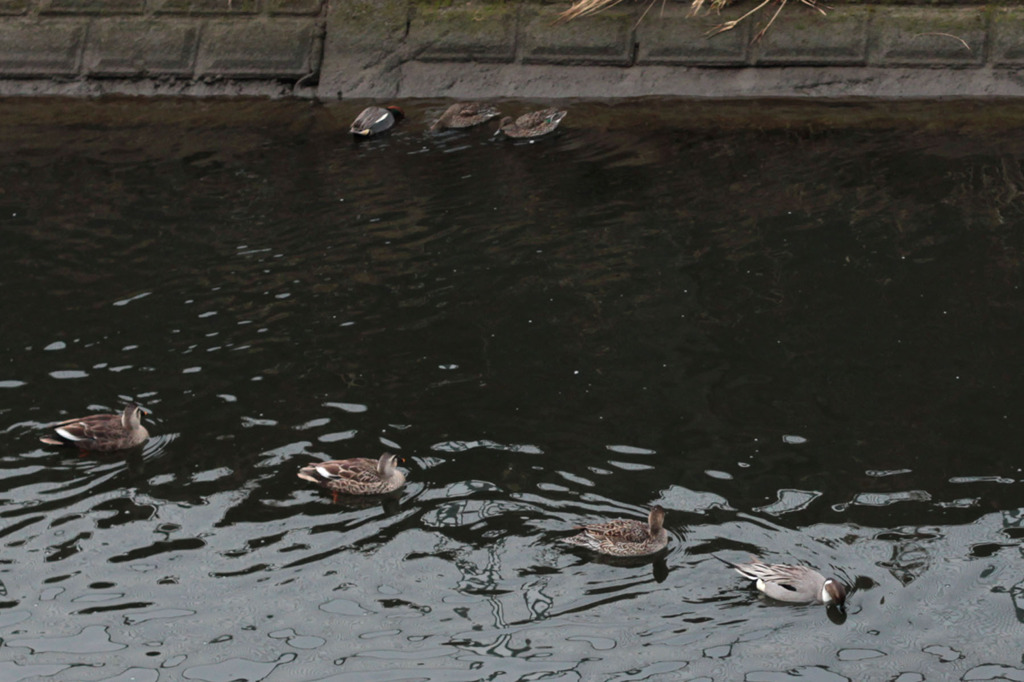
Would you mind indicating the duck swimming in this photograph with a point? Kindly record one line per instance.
(534, 124)
(357, 476)
(624, 537)
(375, 120)
(465, 115)
(797, 584)
(102, 432)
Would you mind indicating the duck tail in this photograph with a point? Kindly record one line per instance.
(725, 561)
(311, 474)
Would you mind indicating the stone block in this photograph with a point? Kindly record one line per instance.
(138, 47)
(13, 6)
(675, 37)
(295, 6)
(1007, 48)
(206, 6)
(475, 32)
(374, 28)
(92, 6)
(364, 48)
(256, 49)
(604, 38)
(802, 36)
(928, 36)
(45, 48)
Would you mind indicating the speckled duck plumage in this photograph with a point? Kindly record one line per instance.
(534, 124)
(624, 537)
(465, 115)
(357, 476)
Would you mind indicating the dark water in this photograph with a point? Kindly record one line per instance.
(797, 327)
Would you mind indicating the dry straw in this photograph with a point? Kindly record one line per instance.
(582, 8)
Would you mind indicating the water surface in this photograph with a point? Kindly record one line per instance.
(795, 326)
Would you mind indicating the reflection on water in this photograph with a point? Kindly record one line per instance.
(796, 327)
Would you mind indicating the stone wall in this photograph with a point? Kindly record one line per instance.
(454, 48)
(95, 46)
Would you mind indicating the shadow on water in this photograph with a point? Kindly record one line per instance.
(795, 326)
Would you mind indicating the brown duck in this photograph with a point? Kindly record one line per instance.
(624, 537)
(465, 115)
(357, 476)
(534, 124)
(102, 432)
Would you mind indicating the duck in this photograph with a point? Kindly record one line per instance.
(789, 583)
(356, 476)
(465, 115)
(624, 537)
(102, 432)
(534, 124)
(374, 120)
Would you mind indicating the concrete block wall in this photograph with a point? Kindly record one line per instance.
(507, 48)
(885, 35)
(160, 39)
(885, 48)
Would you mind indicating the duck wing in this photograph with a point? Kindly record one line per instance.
(620, 530)
(543, 120)
(785, 576)
(371, 119)
(474, 112)
(781, 581)
(358, 470)
(95, 428)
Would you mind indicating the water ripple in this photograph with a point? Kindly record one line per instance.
(797, 336)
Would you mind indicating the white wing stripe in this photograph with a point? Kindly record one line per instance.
(325, 473)
(66, 434)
